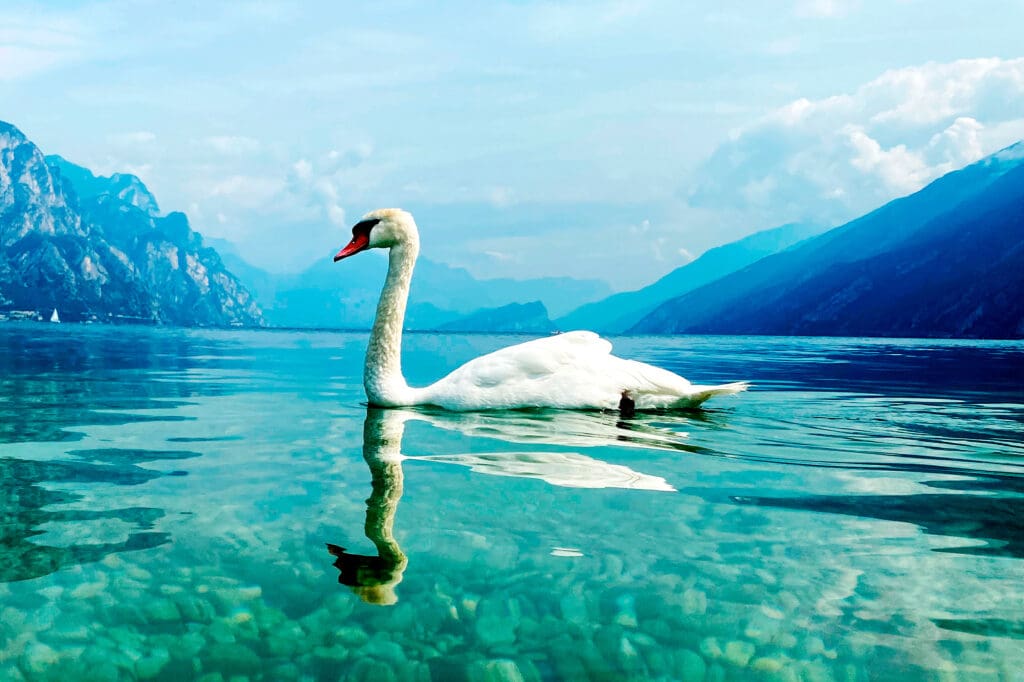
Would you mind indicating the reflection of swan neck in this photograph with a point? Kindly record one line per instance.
(383, 431)
(382, 372)
(382, 506)
(374, 578)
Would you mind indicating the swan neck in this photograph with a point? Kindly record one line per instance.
(382, 373)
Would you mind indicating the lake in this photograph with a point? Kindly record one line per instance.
(221, 505)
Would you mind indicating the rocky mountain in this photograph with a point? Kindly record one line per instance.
(124, 186)
(947, 261)
(619, 312)
(515, 317)
(96, 248)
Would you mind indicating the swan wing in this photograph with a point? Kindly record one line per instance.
(573, 370)
(555, 371)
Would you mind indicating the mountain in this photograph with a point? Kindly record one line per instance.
(345, 294)
(515, 317)
(127, 188)
(96, 248)
(619, 312)
(947, 261)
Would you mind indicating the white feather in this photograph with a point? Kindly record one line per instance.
(574, 371)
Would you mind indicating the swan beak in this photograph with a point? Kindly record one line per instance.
(359, 243)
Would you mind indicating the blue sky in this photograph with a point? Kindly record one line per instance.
(604, 139)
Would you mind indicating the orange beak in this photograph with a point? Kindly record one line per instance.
(359, 243)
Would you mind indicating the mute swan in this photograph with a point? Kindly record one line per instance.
(575, 370)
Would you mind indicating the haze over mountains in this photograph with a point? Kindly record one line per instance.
(947, 261)
(329, 294)
(619, 312)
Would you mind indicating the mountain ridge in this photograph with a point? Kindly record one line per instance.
(515, 318)
(786, 293)
(622, 310)
(345, 295)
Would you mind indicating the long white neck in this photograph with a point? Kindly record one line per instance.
(382, 373)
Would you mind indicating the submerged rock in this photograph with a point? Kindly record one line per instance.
(351, 636)
(150, 666)
(626, 616)
(162, 610)
(499, 670)
(574, 606)
(38, 658)
(710, 648)
(232, 659)
(689, 665)
(695, 602)
(497, 621)
(739, 652)
(384, 649)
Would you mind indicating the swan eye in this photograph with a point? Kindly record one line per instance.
(363, 227)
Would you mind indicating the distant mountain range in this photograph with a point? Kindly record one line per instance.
(947, 261)
(345, 294)
(512, 318)
(95, 248)
(619, 312)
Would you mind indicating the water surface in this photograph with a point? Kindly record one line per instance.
(221, 505)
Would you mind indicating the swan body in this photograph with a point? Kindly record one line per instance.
(575, 370)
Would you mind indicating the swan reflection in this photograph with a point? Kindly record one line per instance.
(570, 428)
(374, 577)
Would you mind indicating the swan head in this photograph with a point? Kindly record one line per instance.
(381, 229)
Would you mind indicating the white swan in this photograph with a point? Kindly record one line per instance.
(575, 370)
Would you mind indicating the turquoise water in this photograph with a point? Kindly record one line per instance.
(220, 506)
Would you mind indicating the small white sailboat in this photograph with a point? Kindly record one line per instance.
(54, 317)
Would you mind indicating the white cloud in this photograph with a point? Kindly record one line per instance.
(501, 196)
(824, 9)
(246, 190)
(277, 212)
(302, 170)
(783, 46)
(34, 42)
(558, 21)
(19, 62)
(833, 158)
(140, 170)
(499, 256)
(135, 138)
(898, 168)
(232, 145)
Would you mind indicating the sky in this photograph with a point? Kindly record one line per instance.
(607, 139)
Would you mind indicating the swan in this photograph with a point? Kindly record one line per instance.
(575, 370)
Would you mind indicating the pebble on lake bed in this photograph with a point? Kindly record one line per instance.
(738, 652)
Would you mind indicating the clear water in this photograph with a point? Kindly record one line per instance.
(169, 498)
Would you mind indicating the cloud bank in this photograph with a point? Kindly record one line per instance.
(838, 157)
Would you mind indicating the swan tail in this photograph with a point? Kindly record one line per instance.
(699, 394)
